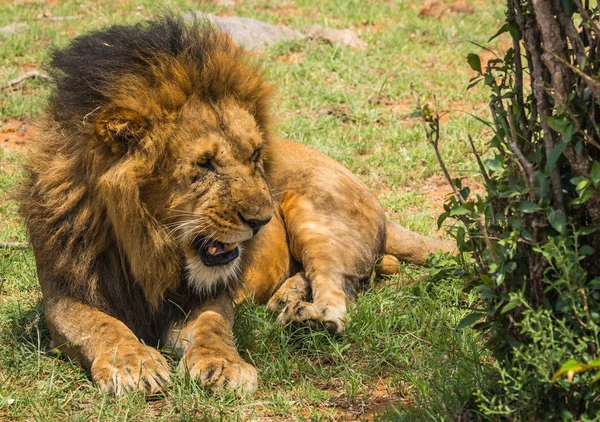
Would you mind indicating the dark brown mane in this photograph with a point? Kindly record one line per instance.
(173, 58)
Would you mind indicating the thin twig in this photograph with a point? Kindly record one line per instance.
(15, 245)
(57, 18)
(27, 75)
(592, 83)
(479, 162)
(432, 133)
(527, 166)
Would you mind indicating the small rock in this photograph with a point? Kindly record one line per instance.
(252, 34)
(345, 37)
(13, 28)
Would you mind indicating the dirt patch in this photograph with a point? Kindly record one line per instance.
(404, 107)
(377, 26)
(14, 134)
(436, 191)
(291, 58)
(437, 8)
(367, 407)
(283, 13)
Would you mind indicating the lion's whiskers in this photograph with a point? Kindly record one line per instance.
(198, 224)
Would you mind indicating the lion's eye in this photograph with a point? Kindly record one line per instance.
(255, 156)
(207, 165)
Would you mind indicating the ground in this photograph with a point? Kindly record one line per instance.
(402, 357)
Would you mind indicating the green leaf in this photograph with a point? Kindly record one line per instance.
(529, 207)
(470, 320)
(473, 83)
(558, 124)
(475, 62)
(586, 230)
(596, 377)
(504, 28)
(487, 293)
(582, 184)
(595, 173)
(583, 198)
(569, 133)
(554, 156)
(558, 220)
(441, 219)
(494, 165)
(459, 211)
(594, 363)
(571, 366)
(586, 250)
(510, 305)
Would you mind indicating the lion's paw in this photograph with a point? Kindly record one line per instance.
(294, 289)
(131, 368)
(314, 315)
(220, 373)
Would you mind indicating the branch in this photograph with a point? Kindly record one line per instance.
(532, 42)
(479, 163)
(592, 83)
(526, 166)
(27, 75)
(15, 245)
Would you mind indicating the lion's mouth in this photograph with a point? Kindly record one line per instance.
(214, 253)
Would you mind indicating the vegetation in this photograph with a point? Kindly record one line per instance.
(402, 357)
(534, 236)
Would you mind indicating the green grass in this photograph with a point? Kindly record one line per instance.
(402, 357)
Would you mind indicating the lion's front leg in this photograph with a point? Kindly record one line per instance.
(117, 360)
(205, 342)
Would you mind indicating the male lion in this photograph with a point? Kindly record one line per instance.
(157, 192)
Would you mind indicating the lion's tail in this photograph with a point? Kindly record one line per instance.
(405, 245)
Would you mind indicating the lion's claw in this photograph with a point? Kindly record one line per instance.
(220, 373)
(133, 368)
(314, 315)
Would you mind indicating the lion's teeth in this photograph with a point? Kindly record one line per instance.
(212, 250)
(230, 247)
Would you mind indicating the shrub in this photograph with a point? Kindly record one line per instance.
(533, 237)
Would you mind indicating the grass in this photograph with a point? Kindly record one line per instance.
(402, 357)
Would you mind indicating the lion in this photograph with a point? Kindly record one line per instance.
(157, 194)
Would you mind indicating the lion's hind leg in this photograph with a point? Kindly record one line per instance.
(337, 250)
(317, 300)
(292, 300)
(294, 289)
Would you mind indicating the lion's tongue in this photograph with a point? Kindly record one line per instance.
(217, 248)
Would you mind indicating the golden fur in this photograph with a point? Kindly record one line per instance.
(154, 161)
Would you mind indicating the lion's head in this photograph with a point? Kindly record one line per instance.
(154, 146)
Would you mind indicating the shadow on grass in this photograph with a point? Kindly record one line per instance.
(28, 327)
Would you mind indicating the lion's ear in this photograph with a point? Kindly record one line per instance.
(121, 129)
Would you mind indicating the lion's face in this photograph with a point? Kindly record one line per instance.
(200, 176)
(220, 196)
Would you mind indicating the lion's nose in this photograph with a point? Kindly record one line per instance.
(254, 223)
